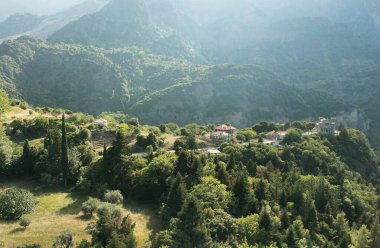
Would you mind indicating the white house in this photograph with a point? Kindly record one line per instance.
(101, 122)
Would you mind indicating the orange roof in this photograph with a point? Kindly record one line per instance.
(224, 128)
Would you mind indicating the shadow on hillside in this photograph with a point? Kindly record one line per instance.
(17, 230)
(154, 221)
(75, 207)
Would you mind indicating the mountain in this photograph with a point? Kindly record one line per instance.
(42, 26)
(61, 76)
(35, 7)
(152, 87)
(308, 44)
(131, 23)
(301, 41)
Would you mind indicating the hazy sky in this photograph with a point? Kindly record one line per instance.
(41, 7)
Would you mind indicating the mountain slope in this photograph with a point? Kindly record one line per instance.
(154, 88)
(43, 26)
(129, 23)
(61, 76)
(301, 41)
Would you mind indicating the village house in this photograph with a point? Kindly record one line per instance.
(275, 135)
(220, 136)
(223, 132)
(226, 129)
(101, 122)
(326, 126)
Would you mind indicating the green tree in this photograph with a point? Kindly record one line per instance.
(292, 136)
(64, 152)
(290, 238)
(265, 220)
(15, 203)
(191, 229)
(252, 168)
(64, 240)
(112, 227)
(27, 159)
(231, 162)
(176, 198)
(222, 174)
(309, 212)
(261, 190)
(113, 196)
(243, 197)
(4, 101)
(90, 206)
(210, 193)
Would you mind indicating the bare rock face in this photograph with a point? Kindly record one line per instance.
(355, 119)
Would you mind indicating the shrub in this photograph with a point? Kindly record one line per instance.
(64, 240)
(15, 203)
(113, 196)
(90, 206)
(24, 222)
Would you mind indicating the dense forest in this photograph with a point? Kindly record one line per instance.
(312, 191)
(155, 88)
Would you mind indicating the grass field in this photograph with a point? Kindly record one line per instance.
(58, 210)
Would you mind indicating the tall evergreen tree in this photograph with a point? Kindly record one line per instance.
(260, 190)
(252, 168)
(119, 148)
(64, 152)
(231, 165)
(176, 198)
(183, 163)
(27, 159)
(195, 172)
(106, 163)
(192, 228)
(283, 199)
(222, 175)
(265, 221)
(290, 238)
(243, 196)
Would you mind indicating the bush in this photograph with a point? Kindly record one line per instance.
(64, 240)
(24, 222)
(15, 203)
(113, 196)
(90, 206)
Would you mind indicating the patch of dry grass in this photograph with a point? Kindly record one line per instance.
(58, 210)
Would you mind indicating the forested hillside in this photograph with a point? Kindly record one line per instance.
(42, 26)
(155, 88)
(311, 190)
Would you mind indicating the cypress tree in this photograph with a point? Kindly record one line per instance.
(176, 197)
(290, 239)
(260, 190)
(231, 162)
(243, 195)
(265, 221)
(183, 163)
(27, 159)
(222, 175)
(106, 168)
(252, 168)
(64, 152)
(284, 220)
(283, 199)
(119, 147)
(195, 172)
(192, 225)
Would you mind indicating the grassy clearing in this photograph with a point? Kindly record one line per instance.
(59, 210)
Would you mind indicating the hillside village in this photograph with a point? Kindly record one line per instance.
(141, 165)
